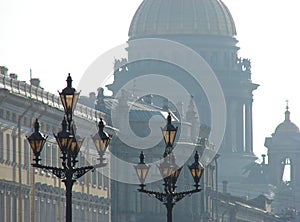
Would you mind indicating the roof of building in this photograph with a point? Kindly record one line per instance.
(260, 205)
(171, 17)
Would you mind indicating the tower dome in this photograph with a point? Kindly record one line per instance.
(287, 126)
(190, 17)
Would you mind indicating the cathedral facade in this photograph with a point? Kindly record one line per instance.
(207, 28)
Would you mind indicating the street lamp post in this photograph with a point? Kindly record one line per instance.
(169, 172)
(69, 145)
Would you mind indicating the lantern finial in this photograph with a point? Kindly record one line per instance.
(142, 158)
(36, 126)
(69, 81)
(169, 119)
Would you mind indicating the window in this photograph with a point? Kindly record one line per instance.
(7, 115)
(2, 206)
(26, 153)
(94, 178)
(43, 154)
(48, 154)
(286, 174)
(80, 163)
(105, 182)
(14, 143)
(14, 117)
(54, 155)
(8, 148)
(25, 119)
(99, 179)
(1, 146)
(94, 174)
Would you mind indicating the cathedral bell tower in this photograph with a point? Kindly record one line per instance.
(284, 153)
(284, 166)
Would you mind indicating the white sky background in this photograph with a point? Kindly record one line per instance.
(55, 37)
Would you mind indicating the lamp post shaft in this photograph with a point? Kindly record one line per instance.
(69, 185)
(169, 206)
(169, 213)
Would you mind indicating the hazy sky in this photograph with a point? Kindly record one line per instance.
(55, 37)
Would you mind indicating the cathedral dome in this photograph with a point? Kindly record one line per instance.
(287, 126)
(191, 17)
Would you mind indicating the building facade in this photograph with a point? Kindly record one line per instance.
(29, 194)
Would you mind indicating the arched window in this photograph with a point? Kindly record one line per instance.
(286, 170)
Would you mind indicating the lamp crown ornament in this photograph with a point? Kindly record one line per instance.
(169, 119)
(196, 157)
(69, 89)
(69, 81)
(36, 126)
(101, 124)
(142, 158)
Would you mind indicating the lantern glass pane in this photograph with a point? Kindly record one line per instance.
(75, 100)
(73, 146)
(101, 144)
(98, 145)
(172, 137)
(63, 101)
(69, 99)
(166, 136)
(193, 172)
(32, 145)
(169, 136)
(142, 172)
(64, 142)
(196, 171)
(38, 145)
(166, 169)
(176, 173)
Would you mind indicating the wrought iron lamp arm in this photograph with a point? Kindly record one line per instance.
(160, 196)
(58, 172)
(165, 197)
(79, 172)
(62, 173)
(178, 196)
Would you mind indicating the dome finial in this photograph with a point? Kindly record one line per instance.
(287, 112)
